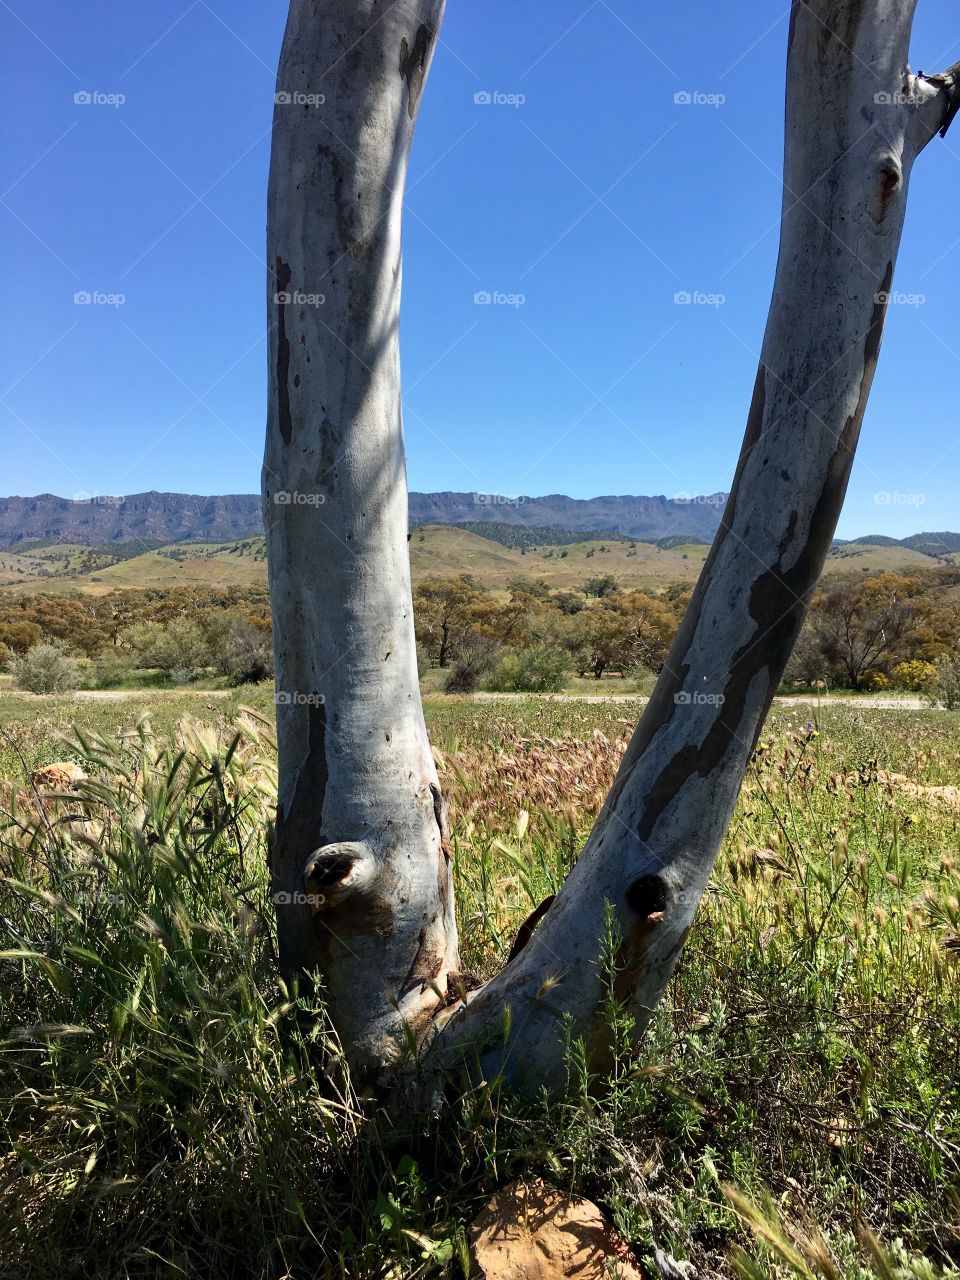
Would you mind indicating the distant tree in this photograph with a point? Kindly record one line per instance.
(535, 587)
(945, 690)
(569, 602)
(441, 609)
(859, 624)
(624, 632)
(179, 648)
(20, 636)
(600, 586)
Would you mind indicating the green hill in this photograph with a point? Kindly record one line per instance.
(488, 554)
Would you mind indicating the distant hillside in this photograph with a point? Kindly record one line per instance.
(938, 545)
(121, 528)
(934, 544)
(179, 517)
(648, 519)
(435, 550)
(155, 518)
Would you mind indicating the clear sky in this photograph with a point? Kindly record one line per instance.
(583, 192)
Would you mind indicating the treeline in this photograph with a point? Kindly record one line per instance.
(863, 632)
(518, 536)
(58, 642)
(884, 631)
(533, 640)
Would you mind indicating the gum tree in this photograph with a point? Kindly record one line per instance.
(360, 863)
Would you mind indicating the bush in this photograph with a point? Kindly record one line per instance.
(945, 690)
(44, 669)
(180, 648)
(537, 670)
(246, 653)
(109, 670)
(874, 680)
(916, 676)
(4, 654)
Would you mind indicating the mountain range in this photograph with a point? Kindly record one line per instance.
(163, 518)
(182, 517)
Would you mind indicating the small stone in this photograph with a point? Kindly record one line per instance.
(530, 1231)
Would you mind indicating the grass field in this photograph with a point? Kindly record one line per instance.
(162, 1112)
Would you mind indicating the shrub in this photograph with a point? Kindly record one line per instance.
(109, 670)
(246, 653)
(945, 690)
(44, 668)
(537, 670)
(914, 675)
(4, 654)
(874, 680)
(477, 655)
(180, 648)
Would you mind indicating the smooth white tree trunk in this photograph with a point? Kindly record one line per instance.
(359, 823)
(360, 866)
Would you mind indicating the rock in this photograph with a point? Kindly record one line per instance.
(57, 777)
(671, 1269)
(530, 1231)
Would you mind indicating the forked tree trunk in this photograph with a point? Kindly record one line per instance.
(359, 819)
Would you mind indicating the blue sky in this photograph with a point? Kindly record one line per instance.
(583, 192)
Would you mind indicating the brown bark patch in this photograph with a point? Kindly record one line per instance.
(427, 964)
